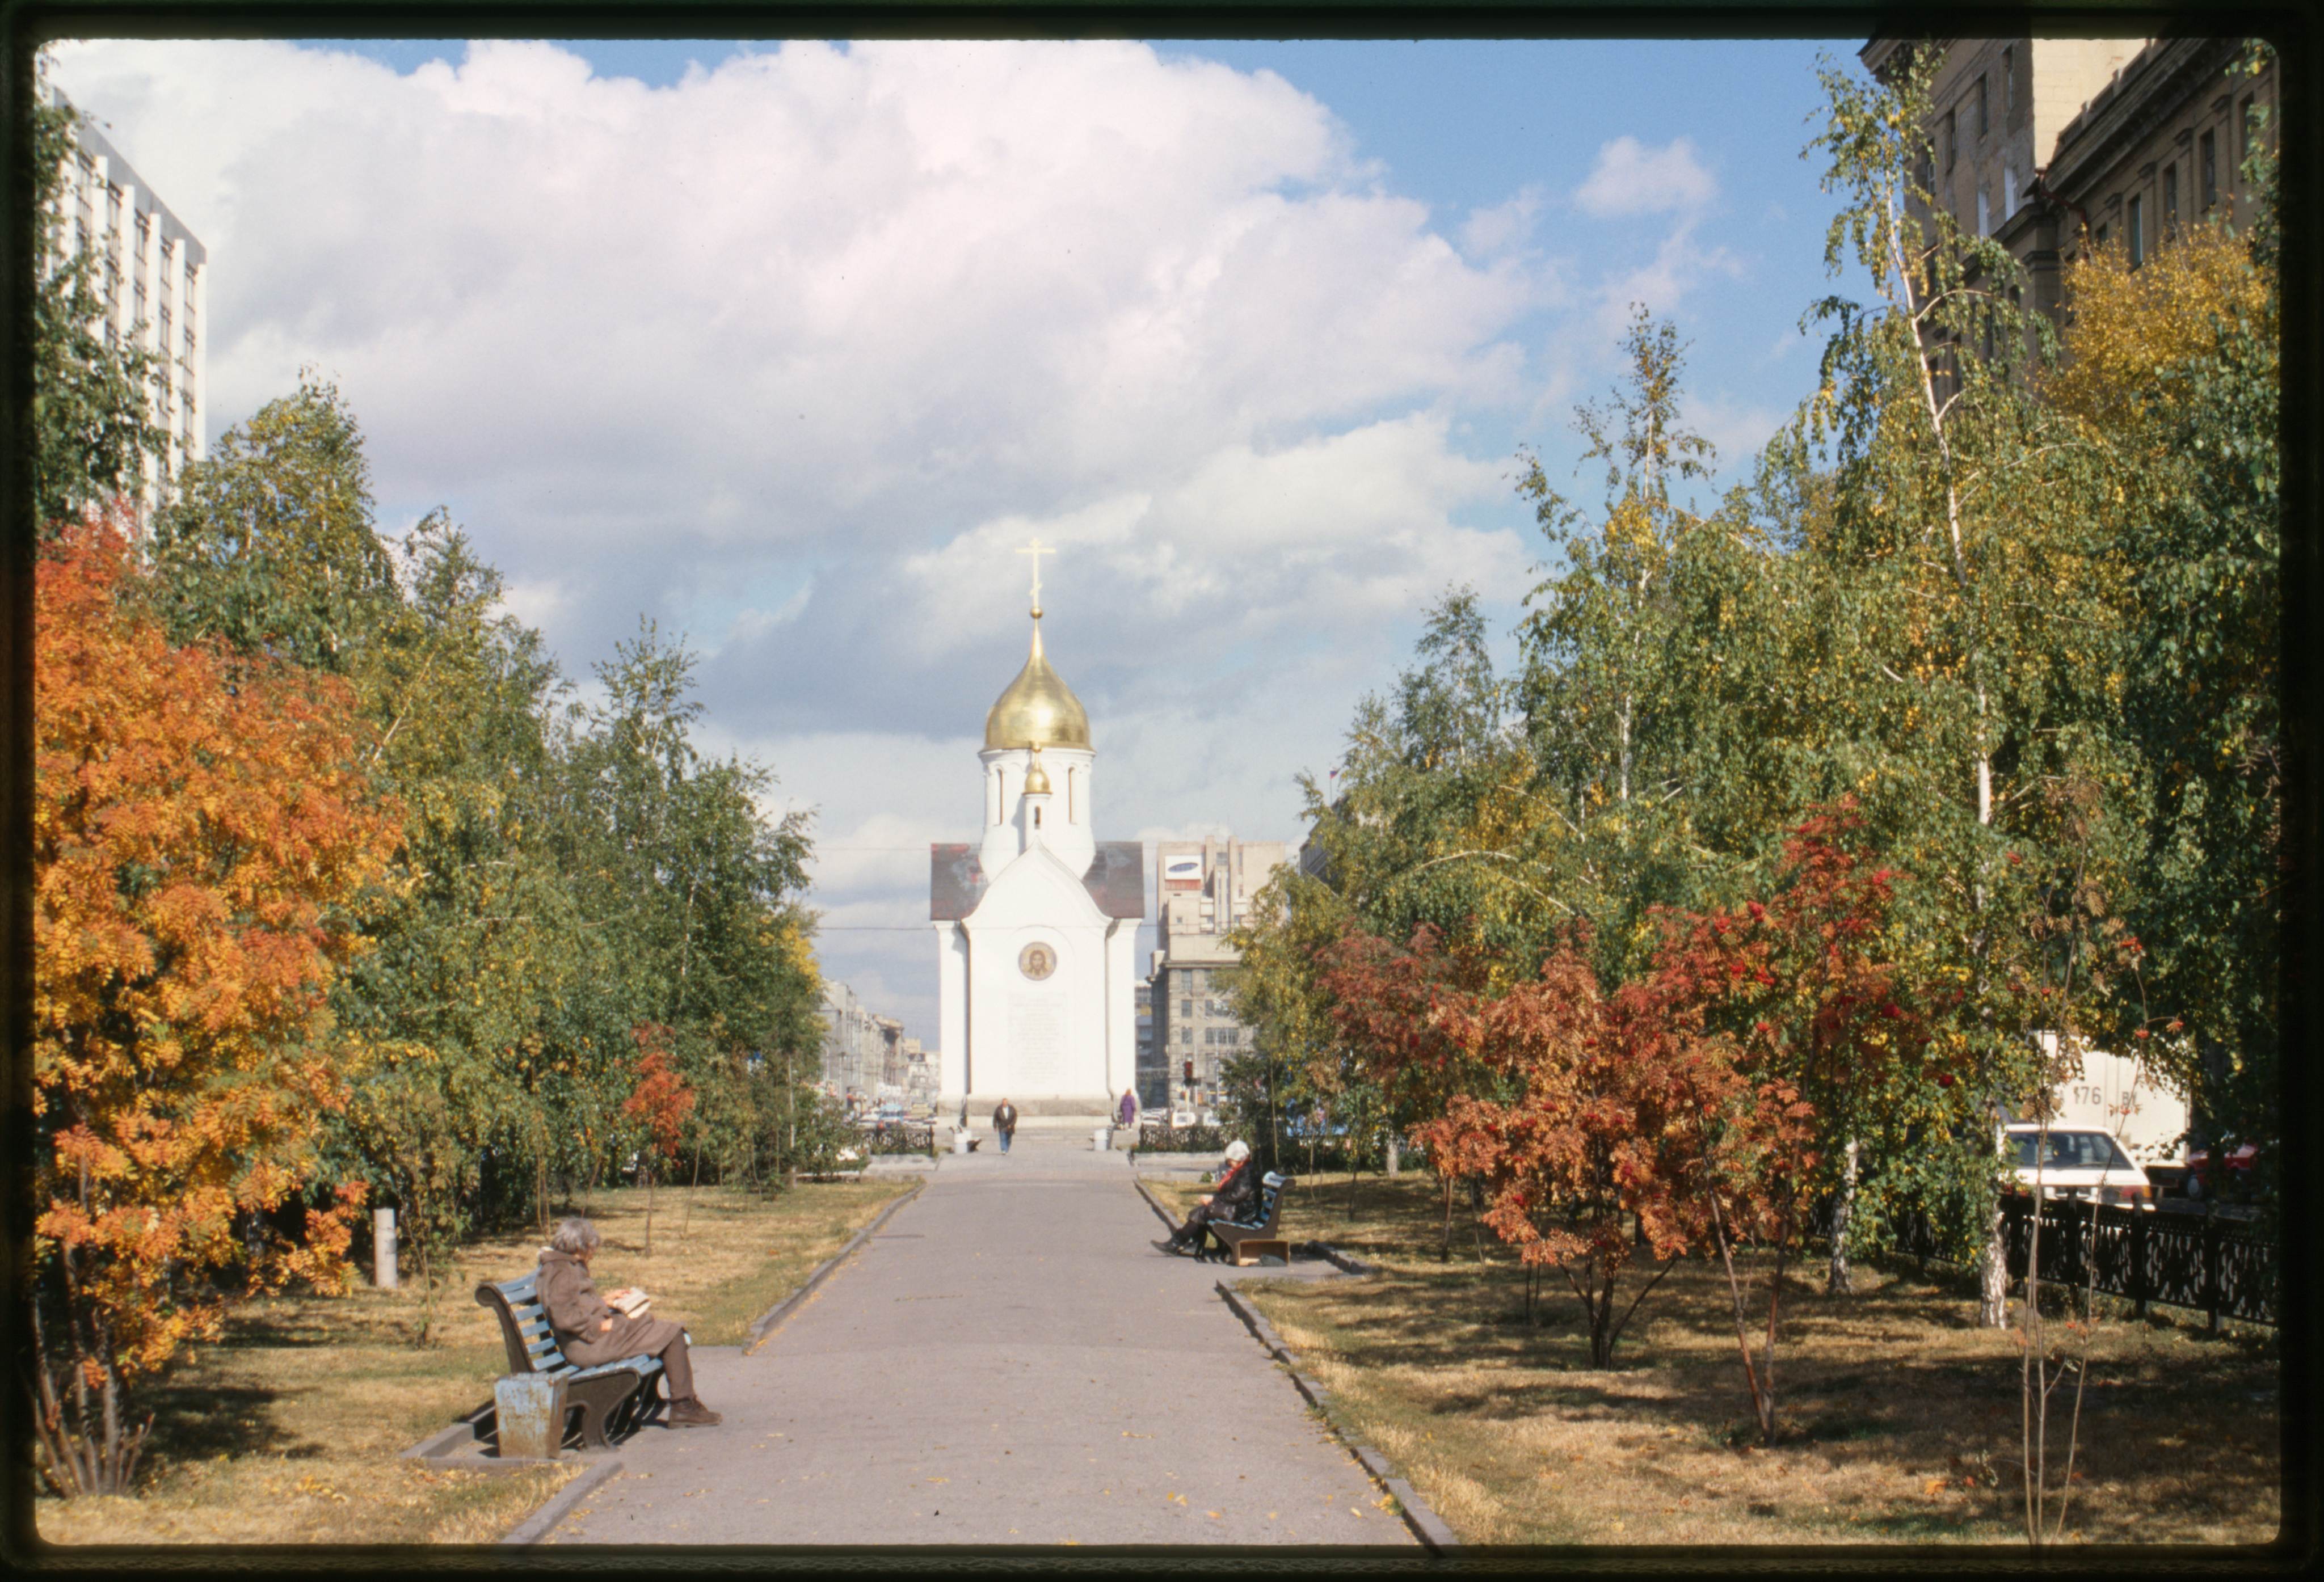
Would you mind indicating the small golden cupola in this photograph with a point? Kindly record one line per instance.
(1037, 779)
(1039, 709)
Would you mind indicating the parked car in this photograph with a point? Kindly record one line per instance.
(2230, 1178)
(2131, 1103)
(2079, 1162)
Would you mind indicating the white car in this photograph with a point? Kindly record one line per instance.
(2074, 1161)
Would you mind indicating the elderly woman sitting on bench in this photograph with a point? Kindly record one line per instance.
(1238, 1190)
(590, 1330)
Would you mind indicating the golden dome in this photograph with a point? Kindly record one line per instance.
(1038, 710)
(1037, 779)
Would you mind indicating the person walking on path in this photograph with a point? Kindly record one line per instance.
(1238, 1190)
(1127, 1115)
(1004, 1122)
(591, 1332)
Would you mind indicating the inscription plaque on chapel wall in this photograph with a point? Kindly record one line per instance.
(1036, 1038)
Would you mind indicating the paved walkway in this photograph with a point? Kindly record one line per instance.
(1007, 1361)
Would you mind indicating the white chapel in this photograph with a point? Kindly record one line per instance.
(1036, 920)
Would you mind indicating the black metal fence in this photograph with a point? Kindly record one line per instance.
(2205, 1263)
(898, 1137)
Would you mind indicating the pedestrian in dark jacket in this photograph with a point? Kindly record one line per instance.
(1237, 1193)
(1004, 1123)
(590, 1330)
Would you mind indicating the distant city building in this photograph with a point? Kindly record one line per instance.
(919, 1080)
(862, 1051)
(2051, 146)
(1205, 890)
(152, 275)
(1153, 1082)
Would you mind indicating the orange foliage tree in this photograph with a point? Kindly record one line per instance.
(1590, 1161)
(199, 842)
(659, 1103)
(1827, 1034)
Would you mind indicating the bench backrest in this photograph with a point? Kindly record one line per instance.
(524, 1325)
(1270, 1205)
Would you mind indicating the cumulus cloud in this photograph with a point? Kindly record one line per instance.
(1495, 230)
(790, 354)
(1632, 178)
(1680, 263)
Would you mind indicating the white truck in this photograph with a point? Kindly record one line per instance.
(2116, 1094)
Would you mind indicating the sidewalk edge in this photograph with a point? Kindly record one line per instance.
(1426, 1525)
(764, 1325)
(535, 1527)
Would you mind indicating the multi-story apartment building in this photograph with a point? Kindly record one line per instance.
(1205, 890)
(152, 276)
(2051, 146)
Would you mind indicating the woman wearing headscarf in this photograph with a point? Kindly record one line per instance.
(1237, 1192)
(590, 1331)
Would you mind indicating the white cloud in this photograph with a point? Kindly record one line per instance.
(1631, 179)
(790, 354)
(1736, 429)
(1492, 231)
(1680, 263)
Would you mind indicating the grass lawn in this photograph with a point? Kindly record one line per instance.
(287, 1429)
(1900, 1419)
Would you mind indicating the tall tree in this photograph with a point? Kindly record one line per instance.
(1978, 594)
(2175, 381)
(270, 544)
(202, 853)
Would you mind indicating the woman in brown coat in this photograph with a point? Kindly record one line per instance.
(590, 1331)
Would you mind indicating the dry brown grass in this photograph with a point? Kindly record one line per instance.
(289, 1428)
(1900, 1417)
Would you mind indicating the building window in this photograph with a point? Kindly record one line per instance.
(2206, 169)
(1984, 117)
(2100, 240)
(1186, 1035)
(144, 236)
(2009, 82)
(1951, 151)
(1186, 1008)
(2137, 221)
(1984, 214)
(2169, 198)
(2248, 126)
(2008, 191)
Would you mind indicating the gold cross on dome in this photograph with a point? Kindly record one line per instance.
(1037, 549)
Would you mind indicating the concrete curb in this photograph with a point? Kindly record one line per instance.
(1426, 1525)
(535, 1527)
(439, 1445)
(1335, 1257)
(1155, 1203)
(776, 1314)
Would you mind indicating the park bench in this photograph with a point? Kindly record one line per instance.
(1246, 1242)
(612, 1398)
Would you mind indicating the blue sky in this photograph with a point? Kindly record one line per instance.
(786, 348)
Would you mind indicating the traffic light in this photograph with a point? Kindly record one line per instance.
(1190, 1070)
